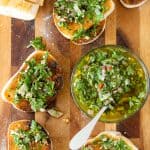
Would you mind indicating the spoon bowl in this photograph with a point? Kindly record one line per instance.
(82, 136)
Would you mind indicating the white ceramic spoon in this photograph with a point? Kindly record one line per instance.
(82, 136)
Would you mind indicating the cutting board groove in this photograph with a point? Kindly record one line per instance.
(129, 28)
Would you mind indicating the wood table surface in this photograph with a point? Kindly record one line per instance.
(127, 27)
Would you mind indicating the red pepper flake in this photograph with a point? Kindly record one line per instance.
(101, 85)
(109, 68)
(104, 68)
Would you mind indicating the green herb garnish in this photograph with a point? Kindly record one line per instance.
(85, 34)
(112, 144)
(37, 44)
(79, 33)
(78, 11)
(25, 139)
(36, 84)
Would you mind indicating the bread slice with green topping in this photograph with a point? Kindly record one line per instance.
(82, 21)
(35, 84)
(28, 135)
(109, 140)
(132, 3)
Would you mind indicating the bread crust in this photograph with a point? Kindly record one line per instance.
(23, 124)
(132, 5)
(9, 88)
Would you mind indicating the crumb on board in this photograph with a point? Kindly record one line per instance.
(66, 120)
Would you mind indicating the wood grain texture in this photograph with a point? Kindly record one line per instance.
(21, 33)
(5, 68)
(59, 47)
(145, 55)
(14, 36)
(127, 27)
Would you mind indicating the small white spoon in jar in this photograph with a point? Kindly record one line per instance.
(82, 136)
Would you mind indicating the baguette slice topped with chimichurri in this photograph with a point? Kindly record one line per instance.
(132, 3)
(81, 21)
(28, 135)
(35, 84)
(109, 140)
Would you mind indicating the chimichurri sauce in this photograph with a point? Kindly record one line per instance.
(36, 84)
(112, 77)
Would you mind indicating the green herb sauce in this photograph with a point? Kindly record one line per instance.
(109, 77)
(25, 139)
(36, 84)
(107, 143)
(85, 34)
(37, 44)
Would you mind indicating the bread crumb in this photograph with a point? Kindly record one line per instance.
(66, 120)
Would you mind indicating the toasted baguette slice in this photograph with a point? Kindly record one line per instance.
(68, 32)
(130, 4)
(9, 89)
(113, 135)
(19, 9)
(24, 125)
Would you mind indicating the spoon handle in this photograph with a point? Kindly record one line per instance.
(82, 136)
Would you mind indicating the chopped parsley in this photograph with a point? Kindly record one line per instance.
(25, 139)
(36, 84)
(37, 44)
(79, 11)
(85, 34)
(131, 2)
(111, 77)
(107, 143)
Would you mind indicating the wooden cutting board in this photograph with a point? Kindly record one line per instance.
(127, 27)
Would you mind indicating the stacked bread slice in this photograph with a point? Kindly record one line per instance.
(21, 9)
